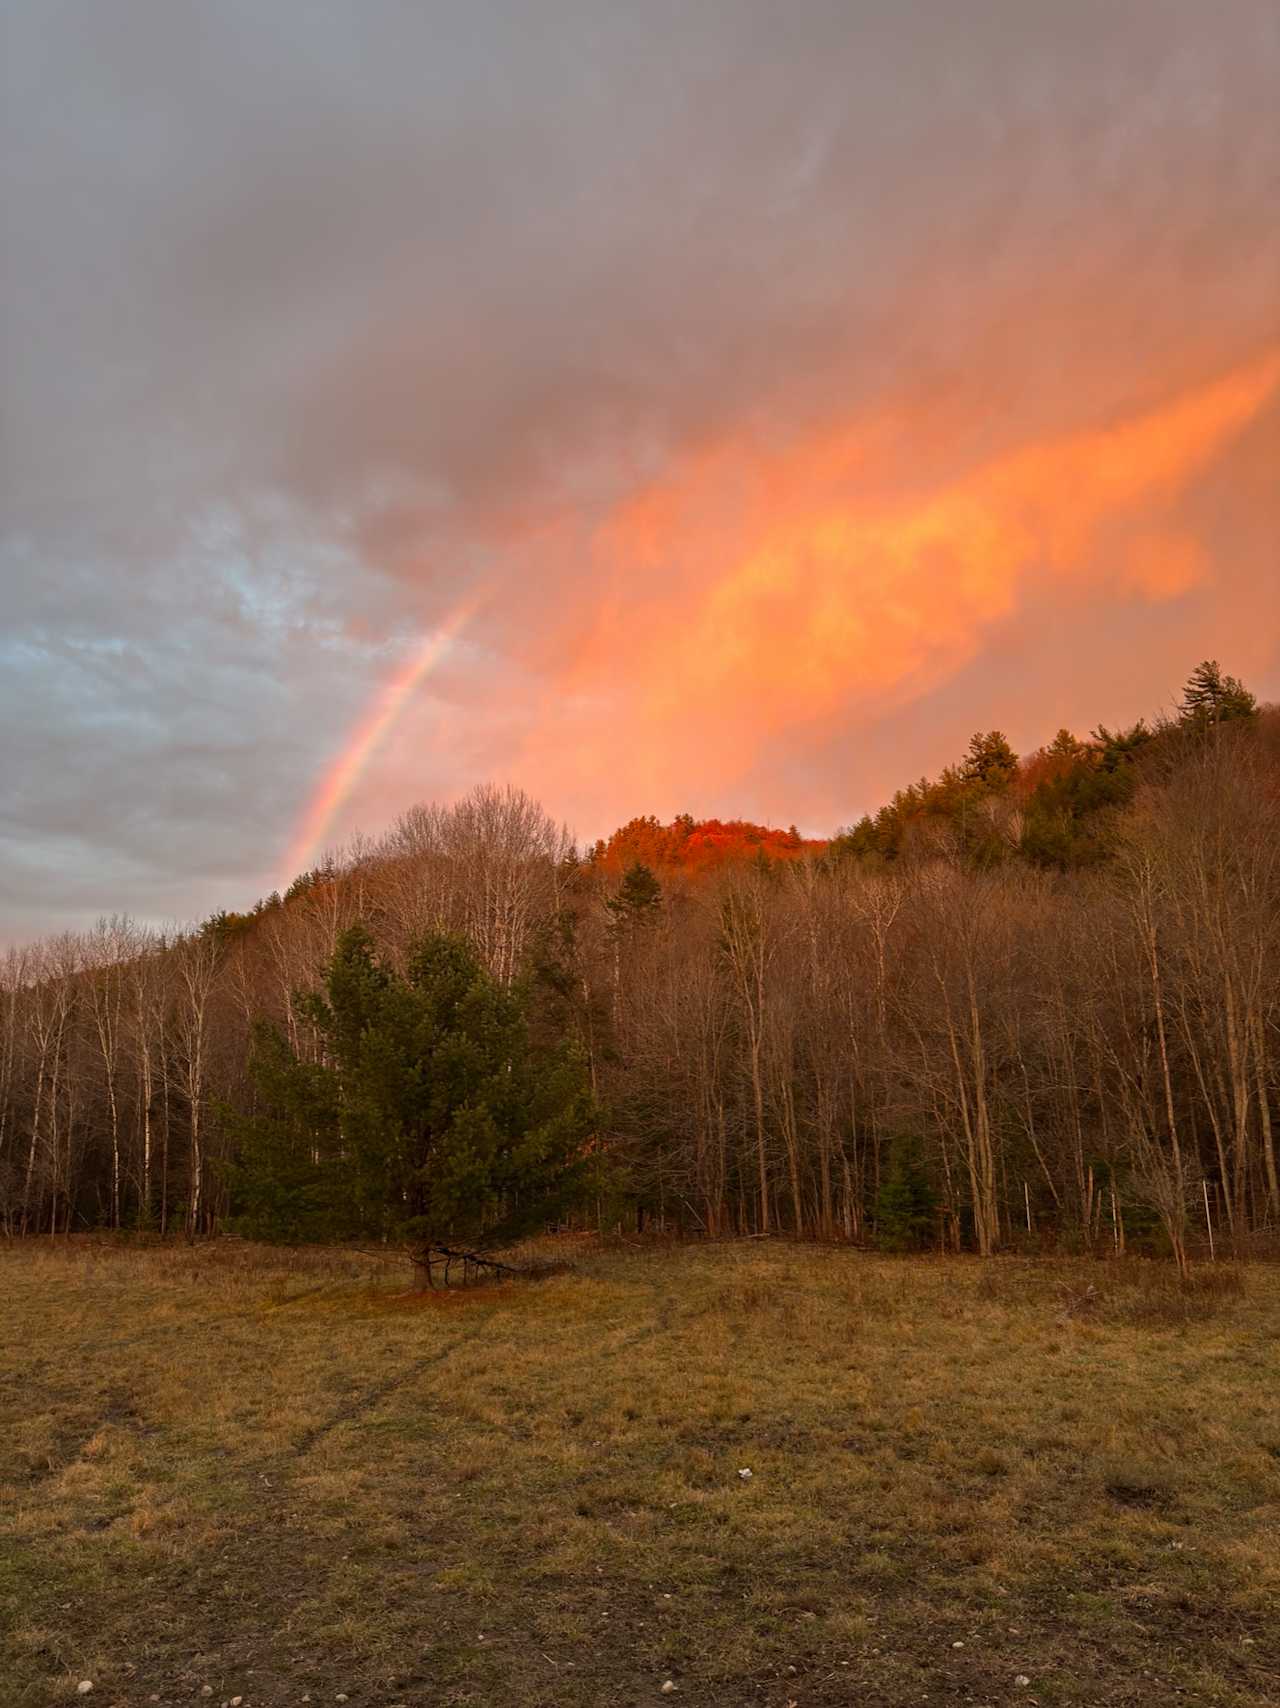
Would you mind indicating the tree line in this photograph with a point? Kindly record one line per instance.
(1033, 1000)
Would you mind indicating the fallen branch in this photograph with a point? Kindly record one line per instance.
(426, 1257)
(453, 1255)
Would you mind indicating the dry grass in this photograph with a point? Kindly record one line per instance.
(283, 1477)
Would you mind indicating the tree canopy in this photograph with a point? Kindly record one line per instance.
(425, 1111)
(1212, 697)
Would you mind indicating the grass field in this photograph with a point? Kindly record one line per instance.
(228, 1474)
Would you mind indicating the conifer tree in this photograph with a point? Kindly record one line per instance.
(1210, 697)
(430, 1116)
(906, 1205)
(639, 898)
(990, 761)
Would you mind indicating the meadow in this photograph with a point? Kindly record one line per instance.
(242, 1475)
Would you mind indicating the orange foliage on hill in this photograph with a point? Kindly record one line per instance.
(1051, 764)
(697, 845)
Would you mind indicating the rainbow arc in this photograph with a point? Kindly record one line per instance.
(379, 717)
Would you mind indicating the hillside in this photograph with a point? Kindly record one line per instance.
(1033, 1001)
(1059, 806)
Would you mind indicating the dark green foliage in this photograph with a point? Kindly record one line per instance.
(906, 1206)
(430, 1116)
(562, 1003)
(305, 882)
(638, 900)
(1212, 698)
(952, 811)
(858, 842)
(1066, 821)
(287, 1183)
(1068, 747)
(990, 761)
(1069, 792)
(1117, 749)
(223, 927)
(1051, 840)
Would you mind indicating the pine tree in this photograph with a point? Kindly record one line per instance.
(1118, 748)
(990, 761)
(1212, 698)
(639, 898)
(906, 1206)
(430, 1117)
(1067, 747)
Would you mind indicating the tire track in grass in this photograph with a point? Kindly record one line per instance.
(231, 1614)
(280, 1675)
(183, 1326)
(364, 1403)
(252, 1649)
(217, 1616)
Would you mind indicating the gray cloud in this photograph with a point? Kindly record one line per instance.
(313, 313)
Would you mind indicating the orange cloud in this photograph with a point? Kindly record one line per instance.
(757, 589)
(1165, 565)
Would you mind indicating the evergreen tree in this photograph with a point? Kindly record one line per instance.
(430, 1116)
(1118, 748)
(990, 761)
(1212, 698)
(1067, 748)
(906, 1205)
(639, 898)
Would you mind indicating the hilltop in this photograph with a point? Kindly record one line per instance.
(697, 845)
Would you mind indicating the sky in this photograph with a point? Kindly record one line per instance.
(721, 407)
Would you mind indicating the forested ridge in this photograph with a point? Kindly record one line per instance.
(1033, 1000)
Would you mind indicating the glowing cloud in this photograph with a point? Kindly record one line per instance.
(379, 717)
(758, 590)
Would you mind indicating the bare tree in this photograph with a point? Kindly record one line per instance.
(195, 967)
(108, 950)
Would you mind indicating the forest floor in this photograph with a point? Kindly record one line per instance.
(235, 1475)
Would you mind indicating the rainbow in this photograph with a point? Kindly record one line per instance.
(379, 716)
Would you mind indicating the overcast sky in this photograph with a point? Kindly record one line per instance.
(795, 388)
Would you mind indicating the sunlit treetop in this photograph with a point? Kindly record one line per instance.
(697, 845)
(1212, 697)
